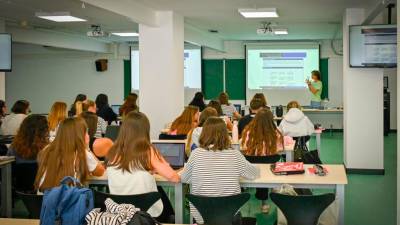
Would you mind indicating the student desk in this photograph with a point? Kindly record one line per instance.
(5, 221)
(6, 196)
(335, 179)
(328, 118)
(161, 181)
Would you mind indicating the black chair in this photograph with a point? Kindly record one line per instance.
(32, 202)
(142, 201)
(218, 210)
(171, 137)
(263, 159)
(112, 132)
(302, 209)
(24, 176)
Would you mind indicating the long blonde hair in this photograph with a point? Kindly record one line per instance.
(261, 135)
(132, 149)
(214, 135)
(186, 121)
(58, 113)
(65, 156)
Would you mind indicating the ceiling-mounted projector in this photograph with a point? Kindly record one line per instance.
(96, 32)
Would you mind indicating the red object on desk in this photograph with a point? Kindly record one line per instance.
(288, 167)
(312, 170)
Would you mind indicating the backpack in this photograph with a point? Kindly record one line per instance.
(143, 218)
(302, 154)
(279, 111)
(66, 205)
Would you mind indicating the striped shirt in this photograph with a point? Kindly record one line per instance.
(101, 127)
(216, 173)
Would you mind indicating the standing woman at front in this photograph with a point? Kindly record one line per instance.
(315, 87)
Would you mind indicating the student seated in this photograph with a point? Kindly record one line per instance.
(198, 100)
(194, 134)
(129, 105)
(261, 96)
(214, 169)
(91, 122)
(79, 98)
(58, 113)
(101, 124)
(104, 110)
(217, 106)
(295, 123)
(67, 155)
(228, 109)
(31, 138)
(256, 105)
(185, 122)
(133, 159)
(11, 123)
(3, 110)
(261, 137)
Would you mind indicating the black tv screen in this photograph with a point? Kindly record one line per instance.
(5, 52)
(373, 46)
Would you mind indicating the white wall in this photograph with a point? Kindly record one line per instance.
(44, 75)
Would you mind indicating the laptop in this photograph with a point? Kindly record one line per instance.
(112, 132)
(115, 108)
(173, 151)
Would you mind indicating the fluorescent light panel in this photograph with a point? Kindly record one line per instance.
(281, 31)
(126, 34)
(59, 17)
(259, 13)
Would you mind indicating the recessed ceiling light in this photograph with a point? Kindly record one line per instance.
(259, 13)
(126, 34)
(281, 31)
(59, 17)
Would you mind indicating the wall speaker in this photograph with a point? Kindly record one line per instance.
(101, 65)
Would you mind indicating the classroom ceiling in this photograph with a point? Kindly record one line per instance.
(305, 19)
(16, 12)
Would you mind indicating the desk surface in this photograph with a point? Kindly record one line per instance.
(336, 175)
(323, 110)
(7, 160)
(6, 221)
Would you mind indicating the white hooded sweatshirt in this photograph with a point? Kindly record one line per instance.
(296, 124)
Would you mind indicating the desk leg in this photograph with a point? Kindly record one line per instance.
(340, 198)
(178, 203)
(6, 204)
(318, 138)
(289, 156)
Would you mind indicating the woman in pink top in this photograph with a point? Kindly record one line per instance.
(262, 138)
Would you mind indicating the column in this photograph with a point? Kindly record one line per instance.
(161, 81)
(363, 109)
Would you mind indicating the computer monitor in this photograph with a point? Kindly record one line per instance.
(115, 108)
(173, 151)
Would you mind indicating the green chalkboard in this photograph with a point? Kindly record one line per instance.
(212, 79)
(127, 77)
(235, 78)
(323, 65)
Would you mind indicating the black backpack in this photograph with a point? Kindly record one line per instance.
(143, 218)
(279, 111)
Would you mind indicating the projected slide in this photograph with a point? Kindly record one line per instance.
(280, 68)
(192, 69)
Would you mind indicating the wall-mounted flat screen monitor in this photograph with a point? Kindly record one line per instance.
(373, 46)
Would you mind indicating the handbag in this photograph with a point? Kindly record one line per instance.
(302, 154)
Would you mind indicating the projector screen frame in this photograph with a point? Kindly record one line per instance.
(380, 66)
(11, 61)
(277, 42)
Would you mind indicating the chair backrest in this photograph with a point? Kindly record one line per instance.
(172, 137)
(302, 209)
(112, 132)
(263, 159)
(142, 201)
(32, 202)
(218, 210)
(24, 174)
